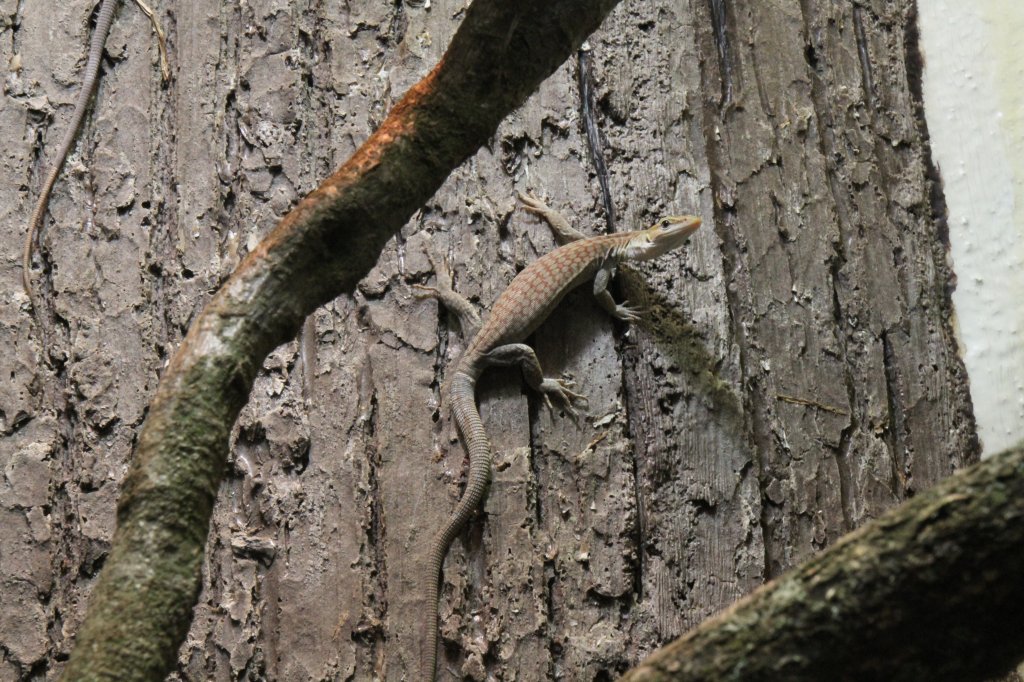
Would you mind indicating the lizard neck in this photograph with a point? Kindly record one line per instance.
(619, 248)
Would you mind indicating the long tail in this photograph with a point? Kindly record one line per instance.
(89, 77)
(463, 404)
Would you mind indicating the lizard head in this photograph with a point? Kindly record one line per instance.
(670, 232)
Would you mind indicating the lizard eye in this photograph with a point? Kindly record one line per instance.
(665, 222)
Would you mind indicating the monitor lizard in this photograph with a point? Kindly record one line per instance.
(519, 310)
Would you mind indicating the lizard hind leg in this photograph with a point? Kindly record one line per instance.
(522, 355)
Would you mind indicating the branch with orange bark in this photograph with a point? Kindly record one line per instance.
(142, 604)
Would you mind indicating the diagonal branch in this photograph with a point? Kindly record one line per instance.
(142, 604)
(932, 590)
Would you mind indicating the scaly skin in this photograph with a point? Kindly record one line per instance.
(520, 309)
(92, 69)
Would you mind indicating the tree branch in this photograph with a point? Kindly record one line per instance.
(931, 590)
(142, 604)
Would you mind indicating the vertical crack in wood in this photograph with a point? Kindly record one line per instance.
(867, 80)
(842, 452)
(595, 144)
(737, 291)
(719, 21)
(897, 423)
(827, 149)
(375, 601)
(638, 499)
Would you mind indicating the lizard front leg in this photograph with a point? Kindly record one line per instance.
(620, 311)
(522, 355)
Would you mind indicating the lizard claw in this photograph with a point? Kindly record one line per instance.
(562, 389)
(532, 204)
(628, 313)
(442, 290)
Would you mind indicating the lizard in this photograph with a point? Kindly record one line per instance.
(531, 296)
(90, 76)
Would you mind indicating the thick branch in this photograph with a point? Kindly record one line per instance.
(142, 604)
(930, 591)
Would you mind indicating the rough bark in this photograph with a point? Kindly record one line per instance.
(142, 604)
(930, 591)
(797, 374)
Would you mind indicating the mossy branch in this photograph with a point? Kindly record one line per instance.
(142, 604)
(932, 590)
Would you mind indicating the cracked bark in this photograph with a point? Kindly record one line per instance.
(142, 603)
(820, 275)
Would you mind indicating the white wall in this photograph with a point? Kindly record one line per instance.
(974, 104)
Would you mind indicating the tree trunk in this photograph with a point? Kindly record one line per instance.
(796, 373)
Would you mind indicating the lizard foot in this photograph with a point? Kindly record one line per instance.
(532, 204)
(628, 313)
(562, 390)
(442, 290)
(563, 231)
